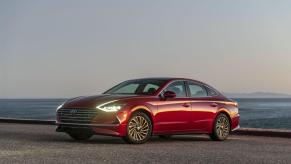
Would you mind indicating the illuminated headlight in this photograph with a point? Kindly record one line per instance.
(110, 107)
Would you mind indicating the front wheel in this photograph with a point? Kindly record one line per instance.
(139, 128)
(221, 128)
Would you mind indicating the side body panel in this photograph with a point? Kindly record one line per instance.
(203, 114)
(174, 115)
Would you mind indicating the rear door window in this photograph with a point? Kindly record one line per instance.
(196, 90)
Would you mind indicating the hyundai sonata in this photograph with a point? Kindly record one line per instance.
(138, 109)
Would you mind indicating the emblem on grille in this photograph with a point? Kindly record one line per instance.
(73, 111)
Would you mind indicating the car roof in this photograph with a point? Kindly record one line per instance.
(168, 79)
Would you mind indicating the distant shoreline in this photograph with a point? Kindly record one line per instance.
(257, 95)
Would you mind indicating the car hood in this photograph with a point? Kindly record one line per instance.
(92, 101)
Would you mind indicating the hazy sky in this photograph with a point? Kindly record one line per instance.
(61, 48)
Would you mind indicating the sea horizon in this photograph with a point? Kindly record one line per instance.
(270, 113)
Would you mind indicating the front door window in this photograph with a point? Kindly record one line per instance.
(177, 87)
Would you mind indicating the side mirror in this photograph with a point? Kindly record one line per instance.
(169, 94)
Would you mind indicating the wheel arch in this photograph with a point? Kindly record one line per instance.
(144, 110)
(224, 111)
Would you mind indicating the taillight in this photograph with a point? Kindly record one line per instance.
(235, 104)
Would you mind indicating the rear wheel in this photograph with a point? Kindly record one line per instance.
(80, 135)
(139, 128)
(221, 128)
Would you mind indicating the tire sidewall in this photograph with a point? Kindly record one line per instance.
(129, 139)
(214, 133)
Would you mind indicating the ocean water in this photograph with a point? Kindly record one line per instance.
(265, 113)
(255, 113)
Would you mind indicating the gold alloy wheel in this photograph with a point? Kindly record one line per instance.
(222, 127)
(138, 128)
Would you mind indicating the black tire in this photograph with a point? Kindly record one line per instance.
(80, 136)
(165, 136)
(221, 128)
(138, 129)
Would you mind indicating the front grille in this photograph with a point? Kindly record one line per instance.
(77, 116)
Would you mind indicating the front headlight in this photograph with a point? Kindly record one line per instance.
(110, 107)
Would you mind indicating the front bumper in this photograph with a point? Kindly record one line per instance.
(104, 129)
(98, 123)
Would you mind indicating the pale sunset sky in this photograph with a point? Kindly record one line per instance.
(67, 48)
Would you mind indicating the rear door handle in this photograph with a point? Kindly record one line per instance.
(186, 105)
(213, 105)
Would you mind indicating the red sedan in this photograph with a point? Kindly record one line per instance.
(138, 109)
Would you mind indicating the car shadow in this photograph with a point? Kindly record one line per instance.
(154, 139)
(97, 139)
(118, 140)
(184, 138)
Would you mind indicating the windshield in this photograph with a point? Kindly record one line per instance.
(140, 87)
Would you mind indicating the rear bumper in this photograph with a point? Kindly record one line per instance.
(235, 122)
(104, 129)
(236, 128)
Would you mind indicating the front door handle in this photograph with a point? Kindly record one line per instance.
(186, 105)
(213, 105)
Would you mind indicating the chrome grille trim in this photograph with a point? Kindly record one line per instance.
(76, 116)
(89, 125)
